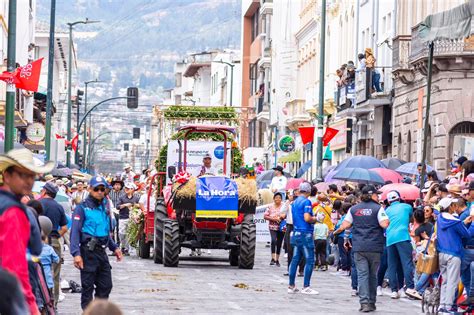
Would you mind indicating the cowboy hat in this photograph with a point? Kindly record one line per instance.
(127, 166)
(117, 181)
(23, 158)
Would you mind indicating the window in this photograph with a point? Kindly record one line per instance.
(255, 25)
(178, 79)
(253, 79)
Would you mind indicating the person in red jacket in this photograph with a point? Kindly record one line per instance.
(18, 172)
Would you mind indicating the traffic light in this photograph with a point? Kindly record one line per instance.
(132, 100)
(136, 133)
(80, 93)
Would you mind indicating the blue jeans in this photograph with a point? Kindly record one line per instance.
(354, 282)
(367, 264)
(424, 281)
(303, 244)
(467, 271)
(400, 254)
(383, 269)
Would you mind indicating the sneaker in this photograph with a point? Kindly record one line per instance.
(61, 297)
(293, 290)
(272, 262)
(379, 291)
(277, 263)
(354, 292)
(372, 307)
(286, 274)
(365, 308)
(413, 294)
(402, 293)
(65, 285)
(316, 268)
(309, 291)
(444, 311)
(324, 268)
(199, 252)
(395, 295)
(193, 253)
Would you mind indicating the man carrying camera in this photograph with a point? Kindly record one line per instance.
(90, 235)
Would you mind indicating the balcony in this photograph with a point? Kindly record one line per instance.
(297, 115)
(366, 92)
(266, 7)
(194, 62)
(449, 55)
(402, 69)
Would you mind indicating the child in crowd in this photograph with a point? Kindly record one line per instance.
(321, 232)
(48, 257)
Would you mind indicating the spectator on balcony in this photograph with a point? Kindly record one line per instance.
(361, 58)
(370, 64)
(350, 72)
(339, 82)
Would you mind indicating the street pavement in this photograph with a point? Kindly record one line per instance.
(208, 284)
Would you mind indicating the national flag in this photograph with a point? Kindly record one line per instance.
(27, 77)
(74, 142)
(307, 134)
(329, 134)
(77, 217)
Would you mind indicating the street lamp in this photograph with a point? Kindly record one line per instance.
(231, 77)
(84, 141)
(69, 79)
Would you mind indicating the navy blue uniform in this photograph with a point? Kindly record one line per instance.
(92, 221)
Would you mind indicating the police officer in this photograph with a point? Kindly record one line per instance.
(90, 235)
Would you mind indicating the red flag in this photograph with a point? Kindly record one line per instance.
(58, 136)
(27, 77)
(329, 134)
(74, 142)
(307, 134)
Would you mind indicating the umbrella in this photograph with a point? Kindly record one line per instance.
(388, 174)
(304, 168)
(293, 183)
(406, 191)
(393, 163)
(323, 186)
(360, 161)
(327, 169)
(411, 168)
(359, 175)
(265, 178)
(61, 172)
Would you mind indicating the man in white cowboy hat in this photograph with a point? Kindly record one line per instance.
(125, 205)
(127, 174)
(18, 176)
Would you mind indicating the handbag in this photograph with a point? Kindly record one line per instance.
(428, 259)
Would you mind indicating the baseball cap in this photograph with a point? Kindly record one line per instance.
(393, 196)
(130, 185)
(207, 156)
(446, 202)
(370, 190)
(97, 181)
(305, 187)
(427, 186)
(51, 188)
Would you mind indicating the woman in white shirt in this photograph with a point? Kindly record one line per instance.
(279, 181)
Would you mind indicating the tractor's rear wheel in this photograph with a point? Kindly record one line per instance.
(143, 247)
(248, 238)
(170, 243)
(234, 257)
(160, 215)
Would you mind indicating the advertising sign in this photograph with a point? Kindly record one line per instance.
(286, 144)
(216, 197)
(35, 132)
(263, 234)
(196, 150)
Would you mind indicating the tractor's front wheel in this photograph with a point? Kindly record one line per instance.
(248, 238)
(143, 247)
(170, 243)
(160, 215)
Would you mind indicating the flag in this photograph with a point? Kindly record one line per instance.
(307, 134)
(58, 136)
(27, 77)
(329, 134)
(74, 142)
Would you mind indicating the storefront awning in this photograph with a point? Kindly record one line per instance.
(291, 157)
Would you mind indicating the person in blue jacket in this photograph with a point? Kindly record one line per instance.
(450, 235)
(90, 235)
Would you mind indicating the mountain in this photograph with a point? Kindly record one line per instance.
(137, 42)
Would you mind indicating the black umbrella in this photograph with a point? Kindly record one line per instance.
(61, 172)
(16, 145)
(393, 163)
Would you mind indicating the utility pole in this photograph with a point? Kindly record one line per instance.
(84, 139)
(69, 82)
(319, 170)
(49, 98)
(11, 65)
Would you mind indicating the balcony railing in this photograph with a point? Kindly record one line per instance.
(373, 83)
(401, 52)
(444, 47)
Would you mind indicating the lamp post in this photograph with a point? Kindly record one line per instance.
(231, 77)
(69, 79)
(49, 99)
(11, 65)
(84, 139)
(319, 169)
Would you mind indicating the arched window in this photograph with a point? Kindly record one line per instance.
(399, 147)
(408, 148)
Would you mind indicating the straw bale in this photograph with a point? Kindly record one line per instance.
(265, 197)
(247, 189)
(188, 190)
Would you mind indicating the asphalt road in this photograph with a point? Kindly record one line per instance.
(209, 285)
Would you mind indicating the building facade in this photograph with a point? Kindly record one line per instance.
(451, 121)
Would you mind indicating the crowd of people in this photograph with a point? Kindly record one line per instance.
(41, 215)
(409, 246)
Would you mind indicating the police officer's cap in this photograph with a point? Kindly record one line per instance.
(98, 181)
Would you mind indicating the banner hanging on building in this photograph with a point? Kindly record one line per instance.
(216, 197)
(328, 135)
(307, 134)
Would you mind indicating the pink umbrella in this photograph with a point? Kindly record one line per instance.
(293, 183)
(388, 174)
(407, 192)
(323, 186)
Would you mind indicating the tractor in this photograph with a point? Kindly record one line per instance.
(212, 216)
